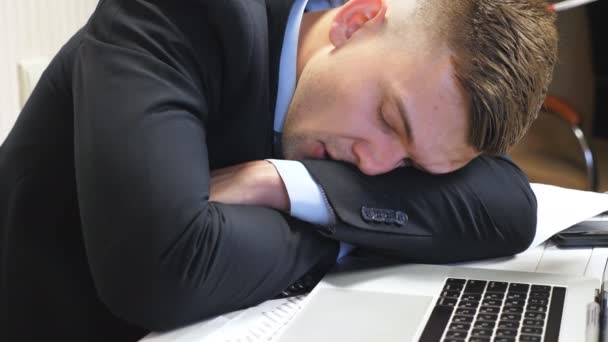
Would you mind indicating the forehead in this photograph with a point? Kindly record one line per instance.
(436, 109)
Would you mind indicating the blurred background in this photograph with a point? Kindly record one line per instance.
(567, 145)
(31, 32)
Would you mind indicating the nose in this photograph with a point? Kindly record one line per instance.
(375, 160)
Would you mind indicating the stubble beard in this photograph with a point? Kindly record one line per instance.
(292, 144)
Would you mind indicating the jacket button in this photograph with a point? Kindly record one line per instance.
(378, 215)
(400, 218)
(366, 214)
(387, 216)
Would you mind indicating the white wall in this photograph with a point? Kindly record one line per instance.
(28, 29)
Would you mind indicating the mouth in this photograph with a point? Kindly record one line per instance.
(320, 151)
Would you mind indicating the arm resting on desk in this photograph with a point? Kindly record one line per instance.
(487, 209)
(161, 254)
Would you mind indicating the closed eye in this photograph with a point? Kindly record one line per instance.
(385, 126)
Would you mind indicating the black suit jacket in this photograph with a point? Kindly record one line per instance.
(106, 230)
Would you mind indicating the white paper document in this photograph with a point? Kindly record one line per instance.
(256, 324)
(259, 323)
(560, 208)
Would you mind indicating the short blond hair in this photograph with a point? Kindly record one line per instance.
(506, 52)
(504, 55)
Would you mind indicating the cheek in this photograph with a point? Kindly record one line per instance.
(334, 101)
(354, 101)
(313, 94)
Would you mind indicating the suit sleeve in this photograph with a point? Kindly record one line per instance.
(160, 253)
(487, 209)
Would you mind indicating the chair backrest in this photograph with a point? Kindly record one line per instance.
(573, 80)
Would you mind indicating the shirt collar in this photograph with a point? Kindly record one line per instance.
(287, 64)
(289, 55)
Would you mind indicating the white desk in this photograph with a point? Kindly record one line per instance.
(546, 258)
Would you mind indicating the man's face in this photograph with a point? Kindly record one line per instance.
(380, 109)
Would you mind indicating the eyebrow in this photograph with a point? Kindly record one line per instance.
(404, 116)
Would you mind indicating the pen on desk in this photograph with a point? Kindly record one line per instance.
(603, 298)
(593, 322)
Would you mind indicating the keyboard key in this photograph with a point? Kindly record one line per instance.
(508, 325)
(494, 295)
(453, 287)
(529, 338)
(504, 339)
(468, 304)
(444, 301)
(487, 317)
(450, 294)
(484, 325)
(539, 294)
(536, 308)
(471, 296)
(481, 332)
(535, 315)
(465, 311)
(491, 302)
(475, 286)
(538, 300)
(455, 281)
(515, 302)
(513, 309)
(460, 326)
(541, 288)
(516, 295)
(517, 287)
(456, 334)
(533, 323)
(452, 340)
(489, 310)
(497, 286)
(479, 339)
(554, 317)
(435, 326)
(510, 317)
(462, 319)
(532, 330)
(506, 333)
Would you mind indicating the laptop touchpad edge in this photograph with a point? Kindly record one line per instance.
(353, 315)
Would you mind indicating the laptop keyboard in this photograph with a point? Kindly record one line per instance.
(483, 311)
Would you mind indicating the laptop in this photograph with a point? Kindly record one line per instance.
(430, 303)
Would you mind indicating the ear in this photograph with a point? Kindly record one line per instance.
(352, 16)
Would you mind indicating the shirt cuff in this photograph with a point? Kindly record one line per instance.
(306, 197)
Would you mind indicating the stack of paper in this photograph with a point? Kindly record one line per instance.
(560, 208)
(256, 324)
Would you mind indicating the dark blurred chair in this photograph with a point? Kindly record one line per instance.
(560, 148)
(557, 151)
